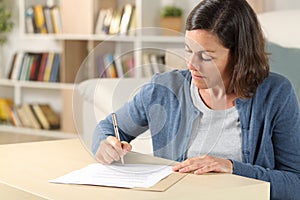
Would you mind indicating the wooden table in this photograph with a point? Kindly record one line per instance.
(26, 168)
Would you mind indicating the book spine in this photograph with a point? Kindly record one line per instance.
(51, 116)
(49, 66)
(56, 19)
(40, 116)
(110, 66)
(5, 111)
(29, 113)
(42, 67)
(48, 19)
(39, 19)
(55, 69)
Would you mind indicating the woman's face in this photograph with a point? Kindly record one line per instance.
(206, 59)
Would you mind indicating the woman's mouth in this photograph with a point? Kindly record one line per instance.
(198, 77)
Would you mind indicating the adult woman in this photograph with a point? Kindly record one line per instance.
(228, 85)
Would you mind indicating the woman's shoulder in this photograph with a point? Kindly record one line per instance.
(173, 81)
(275, 86)
(277, 81)
(169, 77)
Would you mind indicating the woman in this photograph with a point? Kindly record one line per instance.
(227, 113)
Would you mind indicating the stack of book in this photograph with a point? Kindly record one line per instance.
(119, 21)
(114, 66)
(35, 66)
(37, 116)
(43, 19)
(152, 63)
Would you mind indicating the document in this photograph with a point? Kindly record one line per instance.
(117, 175)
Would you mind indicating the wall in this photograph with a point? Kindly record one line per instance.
(271, 5)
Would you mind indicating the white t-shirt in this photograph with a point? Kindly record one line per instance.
(215, 132)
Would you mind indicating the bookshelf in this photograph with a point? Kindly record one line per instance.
(75, 41)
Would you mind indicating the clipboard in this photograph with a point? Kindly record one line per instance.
(165, 183)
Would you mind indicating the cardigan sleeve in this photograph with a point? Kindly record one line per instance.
(284, 174)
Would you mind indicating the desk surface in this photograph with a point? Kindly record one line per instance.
(26, 168)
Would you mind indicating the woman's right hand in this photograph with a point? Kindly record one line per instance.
(111, 150)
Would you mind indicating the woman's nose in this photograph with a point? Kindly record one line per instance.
(192, 65)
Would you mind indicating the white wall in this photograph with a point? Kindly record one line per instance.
(271, 5)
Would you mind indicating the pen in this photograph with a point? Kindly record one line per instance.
(114, 120)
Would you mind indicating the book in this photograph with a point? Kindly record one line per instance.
(17, 66)
(154, 63)
(99, 27)
(13, 60)
(107, 21)
(54, 76)
(39, 19)
(147, 68)
(119, 65)
(133, 23)
(29, 21)
(29, 66)
(56, 19)
(15, 117)
(125, 64)
(41, 116)
(29, 113)
(52, 118)
(23, 117)
(131, 66)
(5, 111)
(110, 67)
(115, 22)
(24, 67)
(42, 67)
(35, 67)
(126, 18)
(49, 65)
(48, 19)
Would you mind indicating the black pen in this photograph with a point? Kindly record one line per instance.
(115, 123)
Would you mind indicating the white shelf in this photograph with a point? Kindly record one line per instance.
(114, 38)
(92, 37)
(37, 132)
(36, 84)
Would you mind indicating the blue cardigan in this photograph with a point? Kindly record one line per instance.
(270, 123)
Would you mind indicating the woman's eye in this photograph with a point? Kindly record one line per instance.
(205, 57)
(188, 50)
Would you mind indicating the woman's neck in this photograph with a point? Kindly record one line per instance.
(217, 99)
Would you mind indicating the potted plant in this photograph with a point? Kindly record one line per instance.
(5, 22)
(171, 20)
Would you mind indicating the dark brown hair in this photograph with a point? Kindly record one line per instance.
(236, 25)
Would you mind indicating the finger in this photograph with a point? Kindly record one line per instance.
(126, 146)
(101, 155)
(116, 144)
(184, 164)
(212, 167)
(107, 159)
(111, 152)
(193, 166)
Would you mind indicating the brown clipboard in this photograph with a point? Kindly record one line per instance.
(165, 183)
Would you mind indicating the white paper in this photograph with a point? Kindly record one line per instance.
(117, 175)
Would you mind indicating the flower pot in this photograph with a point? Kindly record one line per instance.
(171, 25)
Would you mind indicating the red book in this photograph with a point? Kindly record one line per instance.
(35, 67)
(42, 67)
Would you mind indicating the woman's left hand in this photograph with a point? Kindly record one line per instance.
(204, 164)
